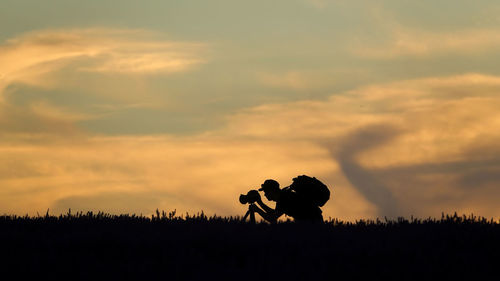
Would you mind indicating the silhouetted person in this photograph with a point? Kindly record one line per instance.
(287, 202)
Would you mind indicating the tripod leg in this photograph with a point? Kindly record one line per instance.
(252, 217)
(246, 215)
(251, 214)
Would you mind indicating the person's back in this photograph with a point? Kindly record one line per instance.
(288, 202)
(291, 204)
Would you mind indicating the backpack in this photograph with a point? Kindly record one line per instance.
(310, 189)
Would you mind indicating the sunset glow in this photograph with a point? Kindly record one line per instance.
(168, 105)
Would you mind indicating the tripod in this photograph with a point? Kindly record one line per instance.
(251, 214)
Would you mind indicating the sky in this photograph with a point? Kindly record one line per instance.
(135, 106)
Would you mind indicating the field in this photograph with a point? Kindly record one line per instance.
(98, 246)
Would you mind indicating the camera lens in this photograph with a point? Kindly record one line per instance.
(243, 199)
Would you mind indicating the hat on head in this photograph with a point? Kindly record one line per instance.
(269, 184)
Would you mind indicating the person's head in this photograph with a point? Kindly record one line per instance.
(271, 189)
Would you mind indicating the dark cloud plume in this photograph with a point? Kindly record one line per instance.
(363, 179)
(467, 182)
(471, 182)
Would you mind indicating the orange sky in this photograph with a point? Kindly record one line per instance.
(97, 114)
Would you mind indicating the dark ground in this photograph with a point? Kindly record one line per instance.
(104, 247)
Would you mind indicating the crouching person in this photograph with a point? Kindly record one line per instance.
(288, 202)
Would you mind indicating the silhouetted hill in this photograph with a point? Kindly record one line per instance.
(165, 247)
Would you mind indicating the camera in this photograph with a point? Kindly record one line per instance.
(251, 197)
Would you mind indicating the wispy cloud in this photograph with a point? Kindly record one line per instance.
(405, 41)
(378, 146)
(41, 59)
(290, 80)
(437, 122)
(30, 57)
(294, 80)
(411, 147)
(367, 182)
(187, 174)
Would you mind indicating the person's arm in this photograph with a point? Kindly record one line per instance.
(264, 206)
(268, 214)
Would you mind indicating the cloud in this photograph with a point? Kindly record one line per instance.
(290, 80)
(294, 80)
(410, 147)
(467, 184)
(400, 144)
(363, 179)
(187, 174)
(31, 57)
(40, 62)
(405, 41)
(38, 119)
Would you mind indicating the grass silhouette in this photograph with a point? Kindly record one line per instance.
(90, 246)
